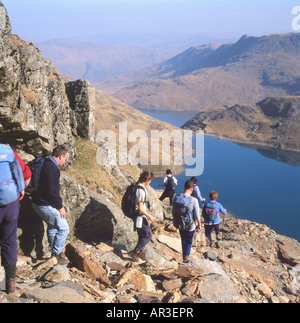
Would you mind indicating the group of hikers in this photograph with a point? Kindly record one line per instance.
(15, 177)
(41, 178)
(185, 211)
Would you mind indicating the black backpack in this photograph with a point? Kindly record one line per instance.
(129, 201)
(35, 166)
(170, 183)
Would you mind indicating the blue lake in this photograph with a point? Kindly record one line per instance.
(256, 184)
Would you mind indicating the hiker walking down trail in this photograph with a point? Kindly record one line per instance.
(47, 203)
(186, 217)
(211, 214)
(141, 224)
(169, 183)
(14, 177)
(196, 192)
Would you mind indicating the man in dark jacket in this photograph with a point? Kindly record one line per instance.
(47, 203)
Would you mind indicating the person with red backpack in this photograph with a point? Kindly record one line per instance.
(14, 177)
(211, 214)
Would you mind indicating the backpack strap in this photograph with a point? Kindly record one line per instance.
(144, 189)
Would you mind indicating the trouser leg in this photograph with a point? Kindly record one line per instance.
(9, 215)
(145, 236)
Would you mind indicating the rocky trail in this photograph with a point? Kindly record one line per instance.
(251, 264)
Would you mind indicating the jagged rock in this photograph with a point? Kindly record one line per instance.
(154, 268)
(56, 294)
(75, 254)
(5, 27)
(35, 115)
(8, 299)
(134, 277)
(259, 274)
(81, 96)
(171, 284)
(93, 217)
(209, 267)
(188, 271)
(173, 243)
(290, 253)
(218, 289)
(57, 274)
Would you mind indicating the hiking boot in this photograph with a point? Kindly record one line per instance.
(142, 255)
(134, 256)
(10, 285)
(219, 236)
(62, 259)
(186, 259)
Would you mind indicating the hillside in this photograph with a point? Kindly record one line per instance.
(210, 76)
(272, 122)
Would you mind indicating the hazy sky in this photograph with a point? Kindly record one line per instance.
(48, 19)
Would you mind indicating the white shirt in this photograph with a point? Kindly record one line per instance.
(141, 196)
(167, 177)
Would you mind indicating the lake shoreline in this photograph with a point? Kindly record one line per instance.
(251, 144)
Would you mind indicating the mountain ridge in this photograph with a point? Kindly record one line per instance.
(244, 72)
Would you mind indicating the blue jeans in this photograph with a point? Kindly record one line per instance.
(58, 228)
(186, 241)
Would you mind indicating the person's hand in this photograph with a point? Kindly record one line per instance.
(152, 219)
(22, 194)
(198, 229)
(63, 213)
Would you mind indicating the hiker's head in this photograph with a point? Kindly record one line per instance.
(60, 153)
(168, 172)
(213, 195)
(194, 180)
(146, 178)
(188, 187)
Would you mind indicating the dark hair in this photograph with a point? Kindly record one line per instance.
(188, 185)
(60, 150)
(168, 172)
(194, 180)
(146, 176)
(213, 195)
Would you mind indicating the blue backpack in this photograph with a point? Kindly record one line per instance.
(182, 212)
(11, 176)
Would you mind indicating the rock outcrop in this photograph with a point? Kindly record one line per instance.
(34, 111)
(82, 100)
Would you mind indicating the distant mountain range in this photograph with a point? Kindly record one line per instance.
(209, 76)
(93, 61)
